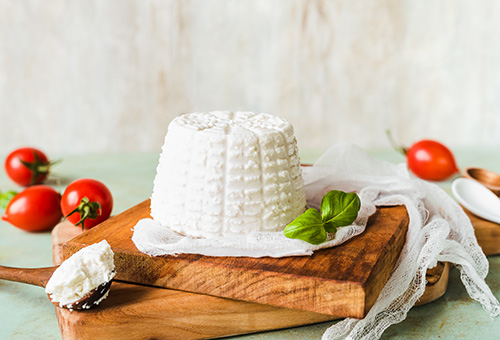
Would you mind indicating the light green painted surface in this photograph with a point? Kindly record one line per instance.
(25, 312)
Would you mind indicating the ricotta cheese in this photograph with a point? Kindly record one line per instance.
(228, 173)
(82, 272)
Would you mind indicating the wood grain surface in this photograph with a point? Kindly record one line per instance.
(437, 283)
(342, 281)
(136, 312)
(487, 234)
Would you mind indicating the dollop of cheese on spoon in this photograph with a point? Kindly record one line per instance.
(80, 274)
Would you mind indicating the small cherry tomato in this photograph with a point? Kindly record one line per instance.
(27, 166)
(428, 159)
(86, 202)
(431, 160)
(35, 209)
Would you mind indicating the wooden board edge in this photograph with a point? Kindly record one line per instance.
(265, 278)
(378, 278)
(110, 221)
(487, 234)
(437, 283)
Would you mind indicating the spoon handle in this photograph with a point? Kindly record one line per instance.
(32, 276)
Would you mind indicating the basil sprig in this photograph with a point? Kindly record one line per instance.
(338, 209)
(5, 198)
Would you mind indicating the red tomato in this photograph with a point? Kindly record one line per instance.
(86, 202)
(27, 166)
(428, 159)
(36, 208)
(431, 160)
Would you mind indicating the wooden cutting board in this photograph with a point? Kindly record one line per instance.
(138, 312)
(487, 234)
(342, 281)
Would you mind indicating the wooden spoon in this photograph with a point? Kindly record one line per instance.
(488, 178)
(40, 277)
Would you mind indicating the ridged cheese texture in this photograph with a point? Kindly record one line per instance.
(228, 173)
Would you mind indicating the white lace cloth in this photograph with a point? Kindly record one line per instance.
(438, 230)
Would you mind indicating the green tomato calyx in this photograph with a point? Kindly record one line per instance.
(86, 209)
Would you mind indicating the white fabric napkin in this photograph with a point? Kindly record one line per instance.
(439, 230)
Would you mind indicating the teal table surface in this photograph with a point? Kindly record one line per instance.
(26, 313)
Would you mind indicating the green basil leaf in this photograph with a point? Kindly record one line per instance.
(339, 209)
(307, 227)
(6, 197)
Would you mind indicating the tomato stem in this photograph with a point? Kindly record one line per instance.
(86, 209)
(37, 167)
(396, 146)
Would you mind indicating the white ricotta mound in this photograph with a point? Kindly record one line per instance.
(82, 272)
(228, 173)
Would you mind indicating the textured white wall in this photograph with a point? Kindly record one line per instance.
(87, 76)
